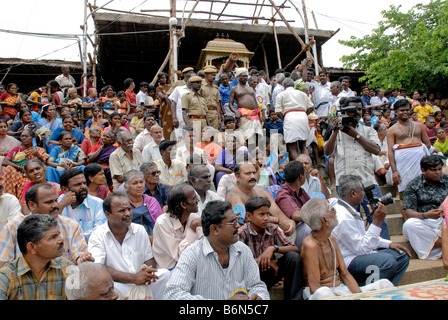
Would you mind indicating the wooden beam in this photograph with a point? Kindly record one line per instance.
(277, 47)
(167, 58)
(238, 3)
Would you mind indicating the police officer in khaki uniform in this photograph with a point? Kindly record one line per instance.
(194, 107)
(180, 82)
(210, 92)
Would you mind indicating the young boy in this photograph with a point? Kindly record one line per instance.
(442, 141)
(229, 127)
(264, 240)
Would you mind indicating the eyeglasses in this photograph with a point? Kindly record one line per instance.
(235, 223)
(155, 173)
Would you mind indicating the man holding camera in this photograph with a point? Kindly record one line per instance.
(367, 255)
(354, 144)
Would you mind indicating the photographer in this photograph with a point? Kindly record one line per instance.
(367, 256)
(353, 145)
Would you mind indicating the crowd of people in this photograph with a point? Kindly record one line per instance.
(215, 186)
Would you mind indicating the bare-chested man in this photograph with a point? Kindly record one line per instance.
(246, 188)
(321, 256)
(248, 111)
(407, 143)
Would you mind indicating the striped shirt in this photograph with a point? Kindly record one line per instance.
(71, 232)
(199, 275)
(18, 281)
(89, 214)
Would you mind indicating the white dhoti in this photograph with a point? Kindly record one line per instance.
(157, 287)
(422, 234)
(311, 137)
(407, 161)
(343, 290)
(250, 123)
(295, 126)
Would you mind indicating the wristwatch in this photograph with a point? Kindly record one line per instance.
(276, 248)
(357, 136)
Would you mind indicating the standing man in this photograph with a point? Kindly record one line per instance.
(248, 112)
(224, 91)
(76, 202)
(353, 145)
(65, 80)
(407, 143)
(124, 248)
(175, 99)
(210, 92)
(40, 272)
(194, 107)
(124, 158)
(218, 264)
(293, 107)
(322, 95)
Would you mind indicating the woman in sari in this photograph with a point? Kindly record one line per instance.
(35, 172)
(12, 167)
(227, 159)
(7, 143)
(101, 154)
(67, 125)
(48, 118)
(137, 124)
(63, 157)
(10, 100)
(145, 209)
(96, 120)
(166, 117)
(96, 180)
(26, 121)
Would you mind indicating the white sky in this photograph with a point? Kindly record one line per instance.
(353, 17)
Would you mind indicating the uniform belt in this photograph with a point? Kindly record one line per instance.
(194, 116)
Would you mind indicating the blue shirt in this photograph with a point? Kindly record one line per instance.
(225, 93)
(89, 214)
(271, 125)
(365, 101)
(161, 194)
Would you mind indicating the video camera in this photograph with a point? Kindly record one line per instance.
(346, 114)
(387, 199)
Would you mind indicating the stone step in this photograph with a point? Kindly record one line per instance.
(423, 270)
(400, 239)
(395, 224)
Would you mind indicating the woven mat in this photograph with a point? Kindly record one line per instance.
(428, 290)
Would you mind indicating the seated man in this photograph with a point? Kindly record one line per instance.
(153, 187)
(178, 228)
(76, 202)
(42, 199)
(314, 182)
(265, 240)
(246, 188)
(40, 272)
(124, 248)
(200, 179)
(364, 251)
(89, 281)
(172, 171)
(422, 199)
(217, 265)
(291, 197)
(324, 266)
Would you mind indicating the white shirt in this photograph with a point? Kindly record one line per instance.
(312, 185)
(176, 96)
(278, 88)
(127, 257)
(143, 139)
(151, 152)
(143, 98)
(351, 235)
(322, 98)
(10, 208)
(292, 99)
(209, 196)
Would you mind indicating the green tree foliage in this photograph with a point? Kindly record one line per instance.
(406, 50)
